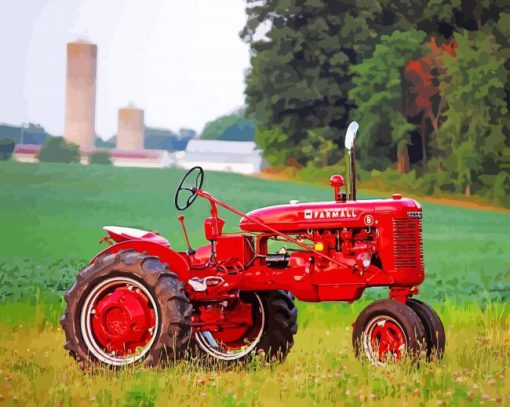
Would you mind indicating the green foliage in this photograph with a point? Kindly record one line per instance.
(24, 280)
(58, 150)
(233, 127)
(32, 133)
(322, 63)
(378, 94)
(163, 139)
(474, 139)
(100, 143)
(322, 147)
(100, 157)
(300, 77)
(274, 143)
(6, 148)
(10, 132)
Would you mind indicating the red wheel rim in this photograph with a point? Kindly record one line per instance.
(235, 342)
(384, 340)
(237, 337)
(119, 319)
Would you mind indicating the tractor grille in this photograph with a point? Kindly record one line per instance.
(407, 244)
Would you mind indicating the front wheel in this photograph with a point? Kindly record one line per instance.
(126, 308)
(388, 331)
(434, 329)
(259, 323)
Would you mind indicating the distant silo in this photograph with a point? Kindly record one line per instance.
(81, 94)
(130, 134)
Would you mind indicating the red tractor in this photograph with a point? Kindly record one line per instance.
(140, 301)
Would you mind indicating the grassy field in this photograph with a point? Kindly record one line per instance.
(51, 217)
(320, 370)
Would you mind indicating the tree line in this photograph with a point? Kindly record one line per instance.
(426, 79)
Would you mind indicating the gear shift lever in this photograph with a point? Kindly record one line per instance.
(191, 251)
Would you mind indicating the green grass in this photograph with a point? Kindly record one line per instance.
(51, 217)
(321, 369)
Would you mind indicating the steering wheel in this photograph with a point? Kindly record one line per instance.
(191, 181)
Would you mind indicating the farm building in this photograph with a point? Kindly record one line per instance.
(142, 158)
(134, 158)
(218, 155)
(229, 156)
(27, 153)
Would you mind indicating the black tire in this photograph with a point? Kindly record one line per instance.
(170, 336)
(434, 329)
(281, 324)
(276, 339)
(403, 324)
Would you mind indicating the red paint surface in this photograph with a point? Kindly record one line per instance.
(122, 321)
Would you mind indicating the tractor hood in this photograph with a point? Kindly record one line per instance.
(326, 215)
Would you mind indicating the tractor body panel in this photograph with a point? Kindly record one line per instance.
(325, 215)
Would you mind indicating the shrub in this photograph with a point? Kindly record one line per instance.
(57, 150)
(100, 157)
(6, 149)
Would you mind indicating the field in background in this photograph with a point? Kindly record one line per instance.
(51, 217)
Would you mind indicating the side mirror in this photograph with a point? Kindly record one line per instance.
(351, 135)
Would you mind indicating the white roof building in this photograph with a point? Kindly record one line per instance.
(142, 159)
(138, 158)
(217, 155)
(26, 153)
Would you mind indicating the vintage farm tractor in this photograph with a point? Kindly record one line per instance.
(140, 301)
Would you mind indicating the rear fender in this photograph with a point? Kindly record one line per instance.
(175, 261)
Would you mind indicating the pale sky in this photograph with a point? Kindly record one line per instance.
(182, 61)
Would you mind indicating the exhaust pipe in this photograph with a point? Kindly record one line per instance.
(350, 137)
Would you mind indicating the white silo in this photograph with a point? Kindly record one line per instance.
(81, 94)
(131, 128)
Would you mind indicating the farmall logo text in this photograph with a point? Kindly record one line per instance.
(329, 214)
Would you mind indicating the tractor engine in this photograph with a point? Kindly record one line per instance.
(361, 243)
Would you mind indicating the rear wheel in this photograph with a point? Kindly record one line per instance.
(126, 308)
(434, 329)
(261, 322)
(388, 331)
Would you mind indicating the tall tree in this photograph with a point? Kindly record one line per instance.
(378, 92)
(475, 135)
(300, 78)
(423, 102)
(298, 88)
